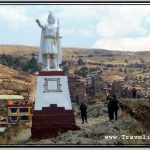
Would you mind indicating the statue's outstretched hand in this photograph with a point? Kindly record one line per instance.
(37, 20)
(39, 24)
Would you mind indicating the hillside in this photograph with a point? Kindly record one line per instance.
(115, 65)
(15, 82)
(18, 50)
(71, 54)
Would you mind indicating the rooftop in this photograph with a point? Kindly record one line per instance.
(3, 97)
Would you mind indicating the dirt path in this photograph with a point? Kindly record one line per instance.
(91, 121)
(22, 138)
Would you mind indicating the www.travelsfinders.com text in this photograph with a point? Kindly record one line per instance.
(127, 137)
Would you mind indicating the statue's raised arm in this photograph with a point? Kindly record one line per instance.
(39, 23)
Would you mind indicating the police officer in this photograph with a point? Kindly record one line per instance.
(83, 109)
(115, 107)
(110, 109)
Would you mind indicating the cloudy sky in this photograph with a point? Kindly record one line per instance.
(113, 27)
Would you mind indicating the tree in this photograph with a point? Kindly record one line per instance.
(125, 70)
(3, 56)
(33, 64)
(65, 68)
(76, 72)
(126, 78)
(120, 70)
(3, 59)
(140, 77)
(9, 60)
(16, 62)
(142, 60)
(126, 61)
(81, 62)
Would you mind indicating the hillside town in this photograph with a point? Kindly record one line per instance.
(90, 94)
(86, 84)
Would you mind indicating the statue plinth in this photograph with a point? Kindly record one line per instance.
(53, 112)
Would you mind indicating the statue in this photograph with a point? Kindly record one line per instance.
(50, 55)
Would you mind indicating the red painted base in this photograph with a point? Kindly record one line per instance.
(52, 121)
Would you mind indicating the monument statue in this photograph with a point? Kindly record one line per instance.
(53, 113)
(50, 55)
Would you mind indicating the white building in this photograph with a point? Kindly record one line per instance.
(88, 80)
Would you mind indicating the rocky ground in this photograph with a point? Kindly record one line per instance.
(98, 127)
(22, 138)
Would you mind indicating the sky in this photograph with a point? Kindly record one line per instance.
(112, 27)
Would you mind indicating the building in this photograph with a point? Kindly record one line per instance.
(77, 88)
(88, 80)
(14, 108)
(4, 102)
(98, 85)
(117, 87)
(19, 111)
(89, 84)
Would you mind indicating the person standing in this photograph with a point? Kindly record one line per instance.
(83, 109)
(115, 107)
(108, 97)
(134, 93)
(110, 110)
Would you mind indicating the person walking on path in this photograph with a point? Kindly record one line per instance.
(83, 109)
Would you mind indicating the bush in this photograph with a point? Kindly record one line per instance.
(81, 62)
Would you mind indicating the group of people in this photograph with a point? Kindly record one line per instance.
(113, 107)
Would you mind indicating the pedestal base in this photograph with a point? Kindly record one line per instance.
(52, 121)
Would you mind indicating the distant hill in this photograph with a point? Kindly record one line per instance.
(22, 50)
(120, 60)
(18, 50)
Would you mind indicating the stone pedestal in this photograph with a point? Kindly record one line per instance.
(53, 112)
(52, 121)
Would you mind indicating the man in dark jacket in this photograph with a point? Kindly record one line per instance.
(83, 109)
(110, 110)
(115, 106)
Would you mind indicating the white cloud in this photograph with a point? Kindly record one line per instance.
(77, 12)
(14, 16)
(86, 32)
(123, 28)
(123, 21)
(43, 18)
(125, 44)
(73, 32)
